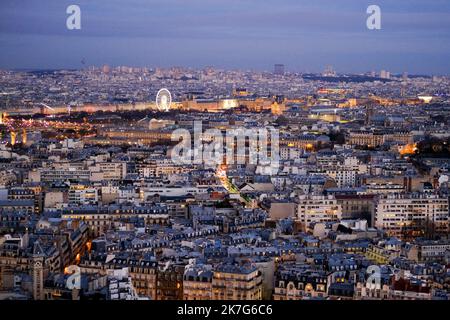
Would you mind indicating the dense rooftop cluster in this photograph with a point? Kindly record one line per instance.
(92, 206)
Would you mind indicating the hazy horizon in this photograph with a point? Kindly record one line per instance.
(287, 71)
(306, 36)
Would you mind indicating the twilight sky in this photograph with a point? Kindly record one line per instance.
(305, 35)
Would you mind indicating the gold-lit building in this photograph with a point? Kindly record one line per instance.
(169, 285)
(410, 215)
(378, 138)
(232, 282)
(294, 284)
(197, 284)
(136, 135)
(143, 272)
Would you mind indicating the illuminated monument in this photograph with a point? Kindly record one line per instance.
(13, 135)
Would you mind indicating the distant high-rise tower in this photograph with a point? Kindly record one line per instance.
(106, 69)
(385, 74)
(278, 69)
(405, 76)
(329, 72)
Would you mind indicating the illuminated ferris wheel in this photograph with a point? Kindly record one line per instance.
(163, 100)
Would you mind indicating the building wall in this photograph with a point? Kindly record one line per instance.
(237, 286)
(315, 208)
(397, 213)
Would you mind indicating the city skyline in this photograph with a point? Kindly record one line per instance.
(245, 152)
(304, 36)
(375, 72)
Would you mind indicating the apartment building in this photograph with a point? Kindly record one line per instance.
(293, 283)
(83, 195)
(378, 138)
(400, 213)
(197, 282)
(236, 282)
(317, 208)
(357, 206)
